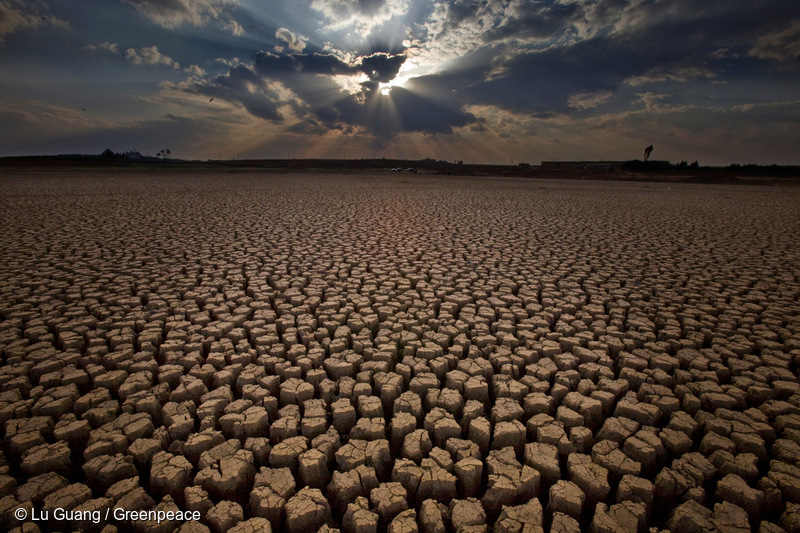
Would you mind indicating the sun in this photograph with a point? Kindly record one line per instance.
(386, 87)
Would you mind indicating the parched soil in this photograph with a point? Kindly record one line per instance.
(398, 353)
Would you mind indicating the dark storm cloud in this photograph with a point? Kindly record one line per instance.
(463, 10)
(308, 75)
(401, 111)
(665, 41)
(277, 65)
(242, 84)
(377, 66)
(382, 67)
(418, 112)
(535, 21)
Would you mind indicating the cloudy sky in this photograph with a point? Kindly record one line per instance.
(489, 81)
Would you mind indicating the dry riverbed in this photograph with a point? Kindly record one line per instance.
(383, 352)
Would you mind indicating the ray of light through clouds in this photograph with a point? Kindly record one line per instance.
(475, 80)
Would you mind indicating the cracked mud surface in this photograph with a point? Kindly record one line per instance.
(317, 352)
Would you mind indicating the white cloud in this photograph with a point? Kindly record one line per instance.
(782, 46)
(16, 15)
(172, 14)
(195, 70)
(295, 42)
(681, 74)
(653, 101)
(589, 100)
(229, 61)
(233, 27)
(360, 16)
(149, 55)
(111, 47)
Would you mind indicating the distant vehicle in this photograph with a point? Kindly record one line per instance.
(397, 169)
(412, 170)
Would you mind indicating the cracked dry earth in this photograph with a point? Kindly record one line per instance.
(380, 353)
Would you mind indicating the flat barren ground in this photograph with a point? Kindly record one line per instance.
(397, 352)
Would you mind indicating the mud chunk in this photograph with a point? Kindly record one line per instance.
(509, 434)
(271, 489)
(358, 518)
(676, 442)
(435, 483)
(636, 489)
(388, 500)
(313, 468)
(466, 514)
(369, 429)
(480, 432)
(308, 510)
(224, 516)
(627, 517)
(105, 470)
(346, 486)
(730, 518)
(231, 476)
(344, 415)
(432, 517)
(508, 480)
(405, 522)
(442, 426)
(607, 454)
(790, 519)
(402, 424)
(566, 497)
(544, 458)
(469, 471)
(47, 458)
(590, 477)
(196, 499)
(734, 489)
(370, 453)
(526, 517)
(618, 429)
(287, 453)
(691, 517)
(564, 524)
(416, 445)
(253, 525)
(67, 498)
(37, 488)
(170, 474)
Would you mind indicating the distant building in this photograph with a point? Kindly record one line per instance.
(132, 155)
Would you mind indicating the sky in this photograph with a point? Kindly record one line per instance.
(480, 81)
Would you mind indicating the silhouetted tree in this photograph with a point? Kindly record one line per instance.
(108, 154)
(647, 152)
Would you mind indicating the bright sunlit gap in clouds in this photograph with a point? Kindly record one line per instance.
(408, 70)
(386, 88)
